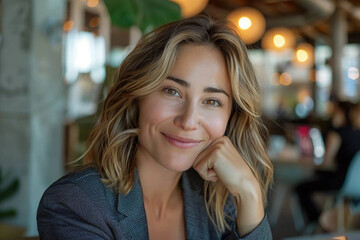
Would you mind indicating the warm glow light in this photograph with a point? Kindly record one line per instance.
(244, 23)
(279, 40)
(94, 22)
(190, 7)
(68, 25)
(312, 75)
(92, 3)
(302, 95)
(275, 79)
(353, 73)
(250, 23)
(302, 55)
(285, 79)
(339, 238)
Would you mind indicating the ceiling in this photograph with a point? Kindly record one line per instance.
(308, 19)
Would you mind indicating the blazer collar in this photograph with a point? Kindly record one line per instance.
(196, 218)
(134, 223)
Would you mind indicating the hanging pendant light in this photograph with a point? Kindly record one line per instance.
(304, 55)
(278, 39)
(191, 7)
(250, 23)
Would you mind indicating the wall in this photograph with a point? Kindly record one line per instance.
(32, 97)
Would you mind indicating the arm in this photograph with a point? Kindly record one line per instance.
(261, 231)
(221, 161)
(66, 212)
(333, 142)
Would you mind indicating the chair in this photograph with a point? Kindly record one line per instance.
(349, 190)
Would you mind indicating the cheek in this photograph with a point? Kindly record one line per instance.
(152, 112)
(216, 126)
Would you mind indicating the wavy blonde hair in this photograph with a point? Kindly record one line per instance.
(113, 141)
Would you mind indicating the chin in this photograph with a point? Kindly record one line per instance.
(178, 165)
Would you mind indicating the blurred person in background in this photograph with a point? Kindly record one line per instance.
(178, 151)
(341, 145)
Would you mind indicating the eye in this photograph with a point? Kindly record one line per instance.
(171, 91)
(213, 102)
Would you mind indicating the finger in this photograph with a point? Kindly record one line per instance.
(206, 152)
(209, 148)
(213, 179)
(204, 162)
(211, 176)
(211, 173)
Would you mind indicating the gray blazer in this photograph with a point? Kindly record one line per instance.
(80, 206)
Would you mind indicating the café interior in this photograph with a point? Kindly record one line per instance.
(58, 59)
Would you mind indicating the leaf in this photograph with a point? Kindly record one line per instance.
(146, 14)
(123, 13)
(154, 13)
(9, 190)
(7, 213)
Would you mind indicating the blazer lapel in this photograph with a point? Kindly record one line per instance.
(196, 219)
(134, 224)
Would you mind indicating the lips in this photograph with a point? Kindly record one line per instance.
(181, 142)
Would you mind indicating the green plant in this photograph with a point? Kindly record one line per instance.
(146, 14)
(6, 192)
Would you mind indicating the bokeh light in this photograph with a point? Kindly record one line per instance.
(278, 39)
(190, 7)
(92, 3)
(353, 73)
(250, 23)
(244, 23)
(285, 79)
(304, 55)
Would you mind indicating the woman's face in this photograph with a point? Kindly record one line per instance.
(189, 110)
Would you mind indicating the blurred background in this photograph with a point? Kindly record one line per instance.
(58, 57)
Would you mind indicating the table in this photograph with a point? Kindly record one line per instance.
(352, 235)
(287, 174)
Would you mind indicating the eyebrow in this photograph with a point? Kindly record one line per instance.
(215, 90)
(179, 81)
(207, 90)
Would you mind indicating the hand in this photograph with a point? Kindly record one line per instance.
(221, 161)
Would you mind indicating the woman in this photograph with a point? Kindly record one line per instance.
(177, 153)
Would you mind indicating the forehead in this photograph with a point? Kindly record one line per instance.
(201, 64)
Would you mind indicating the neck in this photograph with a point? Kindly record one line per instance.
(160, 186)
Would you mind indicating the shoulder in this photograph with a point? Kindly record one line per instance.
(87, 179)
(72, 199)
(81, 185)
(78, 176)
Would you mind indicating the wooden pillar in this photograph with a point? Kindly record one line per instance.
(31, 102)
(338, 39)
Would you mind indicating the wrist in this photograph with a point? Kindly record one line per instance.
(247, 190)
(250, 209)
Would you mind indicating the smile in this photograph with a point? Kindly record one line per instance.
(181, 142)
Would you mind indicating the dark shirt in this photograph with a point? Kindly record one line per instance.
(350, 145)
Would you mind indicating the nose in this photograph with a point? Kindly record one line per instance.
(187, 119)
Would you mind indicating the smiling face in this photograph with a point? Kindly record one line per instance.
(189, 110)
